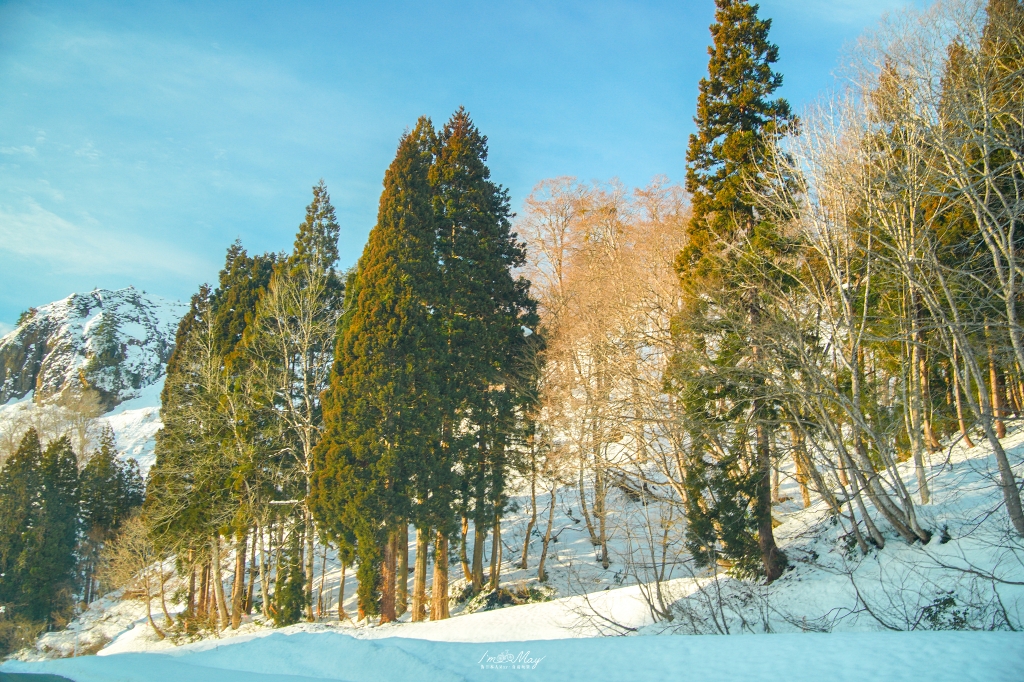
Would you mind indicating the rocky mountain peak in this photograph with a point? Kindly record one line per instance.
(111, 342)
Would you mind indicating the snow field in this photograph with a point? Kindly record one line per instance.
(853, 657)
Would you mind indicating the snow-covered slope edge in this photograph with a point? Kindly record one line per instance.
(935, 656)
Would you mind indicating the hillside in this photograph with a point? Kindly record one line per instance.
(113, 342)
(969, 577)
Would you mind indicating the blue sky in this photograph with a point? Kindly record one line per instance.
(137, 141)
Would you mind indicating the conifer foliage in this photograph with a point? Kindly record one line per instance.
(730, 249)
(53, 522)
(242, 415)
(429, 367)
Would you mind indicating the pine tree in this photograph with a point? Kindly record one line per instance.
(381, 419)
(20, 503)
(289, 589)
(316, 242)
(111, 490)
(483, 312)
(47, 561)
(730, 248)
(242, 281)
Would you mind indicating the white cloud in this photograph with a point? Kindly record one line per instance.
(23, 149)
(88, 150)
(5, 329)
(32, 231)
(54, 193)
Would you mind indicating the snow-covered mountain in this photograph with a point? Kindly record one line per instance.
(110, 346)
(113, 342)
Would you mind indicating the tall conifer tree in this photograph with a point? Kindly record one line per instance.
(483, 313)
(729, 244)
(21, 488)
(382, 428)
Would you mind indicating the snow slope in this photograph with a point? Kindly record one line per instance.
(857, 657)
(970, 576)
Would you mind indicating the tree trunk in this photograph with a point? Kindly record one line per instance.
(961, 422)
(149, 605)
(310, 563)
(1009, 389)
(930, 439)
(541, 573)
(238, 585)
(916, 439)
(533, 506)
(999, 401)
(387, 582)
(495, 555)
(342, 615)
(264, 577)
(249, 592)
(190, 607)
(772, 557)
(218, 586)
(403, 569)
(439, 591)
(419, 578)
(467, 573)
(320, 606)
(594, 540)
(163, 601)
(799, 457)
(600, 498)
(479, 537)
(204, 591)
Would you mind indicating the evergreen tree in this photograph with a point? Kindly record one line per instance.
(316, 242)
(20, 506)
(289, 588)
(188, 498)
(242, 281)
(46, 566)
(214, 451)
(111, 490)
(731, 246)
(483, 312)
(382, 424)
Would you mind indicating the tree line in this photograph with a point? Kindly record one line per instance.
(57, 513)
(835, 294)
(307, 408)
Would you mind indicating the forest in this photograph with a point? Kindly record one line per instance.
(826, 297)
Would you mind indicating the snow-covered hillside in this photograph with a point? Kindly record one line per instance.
(970, 576)
(102, 354)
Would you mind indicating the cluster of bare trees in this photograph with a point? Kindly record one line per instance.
(601, 264)
(904, 326)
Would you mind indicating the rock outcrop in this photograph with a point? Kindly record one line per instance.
(111, 342)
